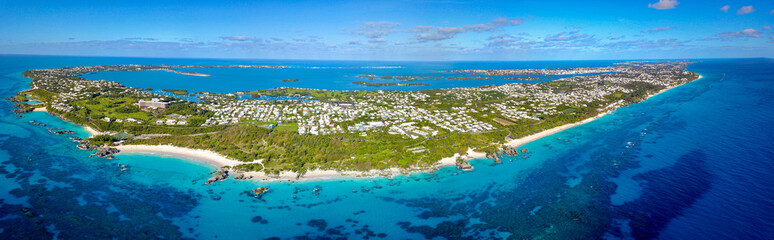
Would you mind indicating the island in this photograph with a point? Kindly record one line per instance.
(185, 73)
(530, 78)
(176, 91)
(370, 84)
(357, 133)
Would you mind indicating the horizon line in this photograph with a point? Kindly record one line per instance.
(364, 60)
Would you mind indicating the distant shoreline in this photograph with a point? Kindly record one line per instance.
(186, 73)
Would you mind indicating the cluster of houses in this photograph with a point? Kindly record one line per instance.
(412, 114)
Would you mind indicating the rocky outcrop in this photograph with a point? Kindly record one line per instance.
(106, 152)
(239, 176)
(220, 175)
(464, 165)
(259, 190)
(495, 157)
(511, 151)
(22, 108)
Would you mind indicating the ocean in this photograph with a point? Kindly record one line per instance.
(694, 162)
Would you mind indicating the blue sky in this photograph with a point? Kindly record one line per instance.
(436, 30)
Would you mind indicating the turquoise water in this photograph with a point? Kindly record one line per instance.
(692, 163)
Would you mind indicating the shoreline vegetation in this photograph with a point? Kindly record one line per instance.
(218, 160)
(370, 84)
(383, 133)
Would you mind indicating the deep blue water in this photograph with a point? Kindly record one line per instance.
(695, 162)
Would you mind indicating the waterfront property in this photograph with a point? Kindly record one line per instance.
(349, 130)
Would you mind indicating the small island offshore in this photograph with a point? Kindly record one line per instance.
(314, 133)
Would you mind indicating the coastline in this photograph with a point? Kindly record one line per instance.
(91, 131)
(219, 160)
(206, 156)
(549, 132)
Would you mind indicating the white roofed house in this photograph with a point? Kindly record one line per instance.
(153, 103)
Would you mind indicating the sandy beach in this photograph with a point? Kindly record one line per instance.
(206, 156)
(92, 131)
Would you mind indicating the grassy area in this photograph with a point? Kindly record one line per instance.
(281, 148)
(286, 128)
(114, 108)
(176, 91)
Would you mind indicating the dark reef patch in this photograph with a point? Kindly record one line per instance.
(320, 224)
(446, 229)
(106, 206)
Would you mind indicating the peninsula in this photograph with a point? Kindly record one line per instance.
(345, 132)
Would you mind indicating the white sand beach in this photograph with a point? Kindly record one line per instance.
(92, 131)
(206, 156)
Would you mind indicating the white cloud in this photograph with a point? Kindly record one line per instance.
(662, 43)
(748, 33)
(664, 4)
(658, 29)
(424, 34)
(751, 33)
(376, 31)
(235, 38)
(565, 36)
(745, 10)
(725, 8)
(377, 40)
(420, 29)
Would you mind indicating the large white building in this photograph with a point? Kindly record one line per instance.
(153, 103)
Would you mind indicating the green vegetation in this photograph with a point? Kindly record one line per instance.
(176, 91)
(115, 105)
(370, 84)
(102, 139)
(109, 106)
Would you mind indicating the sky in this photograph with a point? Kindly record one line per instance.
(431, 30)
